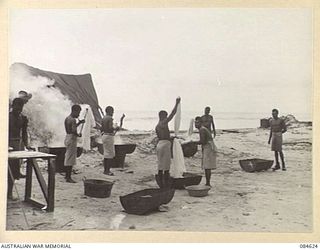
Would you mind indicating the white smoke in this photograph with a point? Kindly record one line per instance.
(47, 108)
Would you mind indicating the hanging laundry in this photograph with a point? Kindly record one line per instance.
(178, 165)
(86, 113)
(177, 120)
(190, 131)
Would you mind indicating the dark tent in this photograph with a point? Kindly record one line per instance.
(79, 88)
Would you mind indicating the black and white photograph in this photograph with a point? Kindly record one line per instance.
(160, 119)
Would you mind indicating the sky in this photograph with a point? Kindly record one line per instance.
(234, 60)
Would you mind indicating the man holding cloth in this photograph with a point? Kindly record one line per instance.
(70, 141)
(164, 144)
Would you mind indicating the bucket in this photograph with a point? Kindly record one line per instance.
(97, 188)
(198, 190)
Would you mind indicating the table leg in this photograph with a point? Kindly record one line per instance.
(51, 184)
(40, 178)
(28, 180)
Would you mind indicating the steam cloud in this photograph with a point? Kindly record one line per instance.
(46, 110)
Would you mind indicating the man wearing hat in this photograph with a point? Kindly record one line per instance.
(24, 96)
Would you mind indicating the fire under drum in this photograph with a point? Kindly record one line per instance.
(60, 153)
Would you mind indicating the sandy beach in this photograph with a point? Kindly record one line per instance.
(238, 201)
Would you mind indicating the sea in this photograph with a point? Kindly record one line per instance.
(147, 120)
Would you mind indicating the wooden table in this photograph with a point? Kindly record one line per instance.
(47, 190)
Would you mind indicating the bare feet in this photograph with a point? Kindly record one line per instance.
(69, 180)
(108, 173)
(276, 167)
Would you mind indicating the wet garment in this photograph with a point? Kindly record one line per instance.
(276, 141)
(86, 113)
(71, 150)
(164, 154)
(177, 120)
(190, 131)
(178, 165)
(108, 146)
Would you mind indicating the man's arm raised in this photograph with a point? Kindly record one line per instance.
(174, 111)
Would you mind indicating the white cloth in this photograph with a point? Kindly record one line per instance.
(178, 166)
(177, 120)
(108, 146)
(118, 140)
(164, 154)
(209, 156)
(89, 124)
(70, 142)
(190, 131)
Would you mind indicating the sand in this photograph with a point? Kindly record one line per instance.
(238, 201)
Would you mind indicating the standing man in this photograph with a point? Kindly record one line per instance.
(108, 133)
(209, 150)
(164, 144)
(70, 124)
(208, 122)
(18, 139)
(277, 128)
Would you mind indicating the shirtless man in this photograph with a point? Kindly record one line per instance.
(108, 133)
(208, 122)
(70, 142)
(209, 150)
(277, 128)
(164, 145)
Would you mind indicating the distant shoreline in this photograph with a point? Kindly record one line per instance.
(219, 131)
